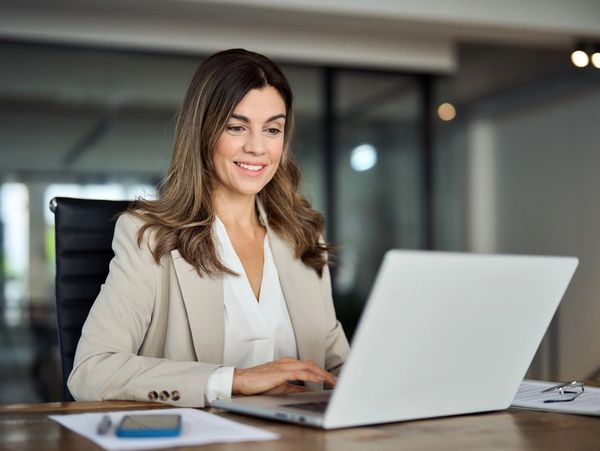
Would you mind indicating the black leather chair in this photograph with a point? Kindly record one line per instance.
(84, 230)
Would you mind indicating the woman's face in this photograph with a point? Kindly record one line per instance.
(248, 152)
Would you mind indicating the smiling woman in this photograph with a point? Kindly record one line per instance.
(221, 285)
(247, 154)
(246, 158)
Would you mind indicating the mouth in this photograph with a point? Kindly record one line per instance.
(251, 167)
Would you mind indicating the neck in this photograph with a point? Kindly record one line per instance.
(236, 210)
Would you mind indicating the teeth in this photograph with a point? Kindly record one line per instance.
(250, 167)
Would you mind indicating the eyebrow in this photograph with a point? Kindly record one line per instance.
(245, 119)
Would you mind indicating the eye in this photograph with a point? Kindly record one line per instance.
(273, 131)
(235, 128)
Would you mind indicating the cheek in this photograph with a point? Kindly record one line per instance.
(277, 151)
(223, 151)
(277, 163)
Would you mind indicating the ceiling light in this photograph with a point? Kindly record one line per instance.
(579, 58)
(363, 158)
(446, 111)
(596, 57)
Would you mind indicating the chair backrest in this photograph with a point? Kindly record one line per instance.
(84, 230)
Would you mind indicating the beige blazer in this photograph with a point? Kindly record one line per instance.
(158, 329)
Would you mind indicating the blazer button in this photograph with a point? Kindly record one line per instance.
(152, 395)
(164, 395)
(175, 396)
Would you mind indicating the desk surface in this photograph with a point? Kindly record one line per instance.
(26, 427)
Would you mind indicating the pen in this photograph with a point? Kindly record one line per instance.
(104, 425)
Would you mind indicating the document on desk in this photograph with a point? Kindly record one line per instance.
(530, 396)
(198, 428)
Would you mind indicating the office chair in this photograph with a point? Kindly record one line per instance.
(84, 231)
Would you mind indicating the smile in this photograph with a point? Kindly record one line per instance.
(250, 167)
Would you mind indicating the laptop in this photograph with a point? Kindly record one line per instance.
(441, 334)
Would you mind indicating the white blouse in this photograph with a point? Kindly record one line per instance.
(255, 332)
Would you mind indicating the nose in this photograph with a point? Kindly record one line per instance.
(255, 143)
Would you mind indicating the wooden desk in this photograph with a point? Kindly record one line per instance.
(26, 427)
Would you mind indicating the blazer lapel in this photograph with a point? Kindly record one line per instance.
(203, 299)
(301, 296)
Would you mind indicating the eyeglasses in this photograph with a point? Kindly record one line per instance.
(565, 392)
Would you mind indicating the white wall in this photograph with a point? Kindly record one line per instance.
(545, 194)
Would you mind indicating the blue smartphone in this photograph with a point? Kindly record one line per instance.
(138, 426)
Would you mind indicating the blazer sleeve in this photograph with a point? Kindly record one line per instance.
(336, 343)
(107, 364)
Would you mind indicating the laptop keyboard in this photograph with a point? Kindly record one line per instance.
(320, 406)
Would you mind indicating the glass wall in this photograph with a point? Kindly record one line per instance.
(307, 86)
(378, 174)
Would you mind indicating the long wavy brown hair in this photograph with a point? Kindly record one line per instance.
(183, 214)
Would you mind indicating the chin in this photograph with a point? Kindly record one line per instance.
(250, 190)
(245, 187)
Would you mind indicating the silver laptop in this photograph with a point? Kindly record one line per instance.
(441, 334)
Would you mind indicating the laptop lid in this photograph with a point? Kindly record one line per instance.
(446, 333)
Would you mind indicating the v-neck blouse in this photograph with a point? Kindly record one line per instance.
(255, 332)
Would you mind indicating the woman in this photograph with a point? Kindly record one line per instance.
(219, 287)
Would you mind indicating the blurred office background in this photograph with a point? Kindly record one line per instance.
(453, 125)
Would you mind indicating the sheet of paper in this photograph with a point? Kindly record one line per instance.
(198, 428)
(530, 396)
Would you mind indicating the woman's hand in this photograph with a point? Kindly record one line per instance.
(274, 377)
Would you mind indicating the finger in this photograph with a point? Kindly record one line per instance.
(331, 380)
(325, 376)
(306, 365)
(292, 388)
(306, 376)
